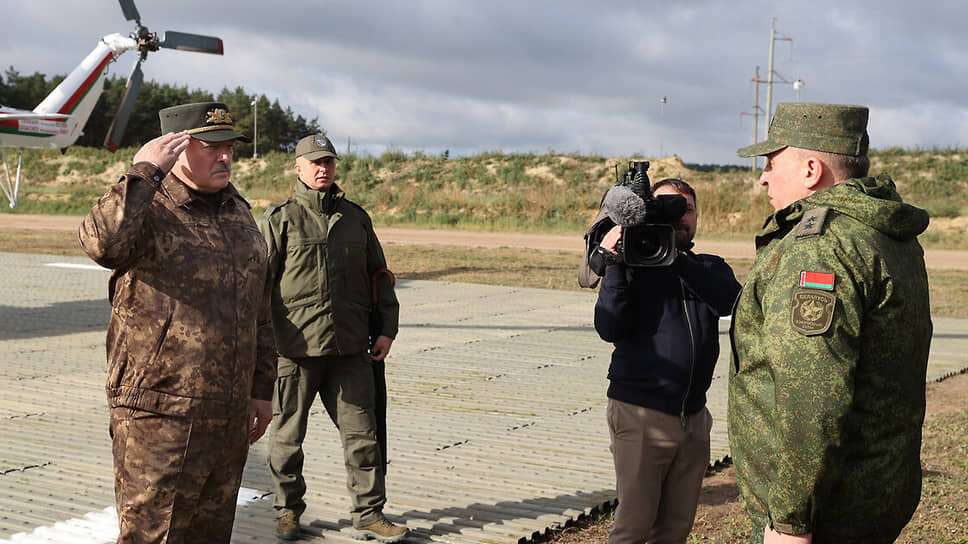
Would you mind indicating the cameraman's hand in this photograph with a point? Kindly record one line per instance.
(611, 238)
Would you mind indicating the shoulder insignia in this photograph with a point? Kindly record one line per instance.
(276, 207)
(812, 222)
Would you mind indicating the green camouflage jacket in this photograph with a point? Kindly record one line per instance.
(190, 331)
(322, 255)
(830, 341)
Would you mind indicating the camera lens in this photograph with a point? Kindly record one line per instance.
(649, 245)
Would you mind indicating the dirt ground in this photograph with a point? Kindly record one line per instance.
(935, 259)
(720, 517)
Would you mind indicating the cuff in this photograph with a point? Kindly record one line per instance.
(147, 170)
(791, 528)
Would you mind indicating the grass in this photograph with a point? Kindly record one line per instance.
(501, 266)
(949, 293)
(941, 516)
(536, 192)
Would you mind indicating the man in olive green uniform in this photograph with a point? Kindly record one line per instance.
(191, 360)
(830, 341)
(325, 263)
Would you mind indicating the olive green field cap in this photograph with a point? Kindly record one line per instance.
(315, 147)
(833, 128)
(206, 121)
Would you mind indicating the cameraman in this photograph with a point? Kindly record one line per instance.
(664, 324)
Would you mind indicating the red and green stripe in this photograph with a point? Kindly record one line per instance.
(85, 87)
(817, 280)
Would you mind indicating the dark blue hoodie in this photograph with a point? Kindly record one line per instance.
(664, 324)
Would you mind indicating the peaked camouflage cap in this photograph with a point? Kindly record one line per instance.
(315, 147)
(833, 128)
(206, 121)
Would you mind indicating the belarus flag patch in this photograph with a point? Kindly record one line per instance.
(817, 280)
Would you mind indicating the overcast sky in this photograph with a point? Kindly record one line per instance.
(529, 76)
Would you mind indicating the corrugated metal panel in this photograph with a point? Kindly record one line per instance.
(496, 414)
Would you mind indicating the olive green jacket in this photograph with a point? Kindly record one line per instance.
(322, 255)
(826, 386)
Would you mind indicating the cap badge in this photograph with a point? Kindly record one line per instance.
(219, 117)
(320, 142)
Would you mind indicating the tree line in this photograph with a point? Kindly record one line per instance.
(279, 128)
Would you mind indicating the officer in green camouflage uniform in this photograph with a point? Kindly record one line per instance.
(323, 258)
(830, 341)
(191, 359)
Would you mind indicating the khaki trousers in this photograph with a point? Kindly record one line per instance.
(659, 467)
(176, 479)
(345, 385)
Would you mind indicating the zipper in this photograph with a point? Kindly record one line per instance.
(323, 260)
(164, 334)
(692, 344)
(235, 288)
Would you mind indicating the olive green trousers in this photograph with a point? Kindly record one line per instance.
(345, 384)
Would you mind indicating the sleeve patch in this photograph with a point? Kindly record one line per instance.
(812, 311)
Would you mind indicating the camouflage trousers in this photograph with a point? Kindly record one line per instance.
(346, 386)
(176, 479)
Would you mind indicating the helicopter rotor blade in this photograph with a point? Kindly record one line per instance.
(130, 11)
(113, 139)
(191, 42)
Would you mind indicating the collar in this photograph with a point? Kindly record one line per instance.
(180, 194)
(780, 222)
(319, 201)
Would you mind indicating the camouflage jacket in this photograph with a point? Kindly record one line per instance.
(322, 255)
(830, 340)
(190, 331)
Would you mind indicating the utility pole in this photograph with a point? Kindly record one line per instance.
(768, 112)
(755, 114)
(769, 75)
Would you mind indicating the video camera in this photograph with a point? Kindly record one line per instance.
(648, 236)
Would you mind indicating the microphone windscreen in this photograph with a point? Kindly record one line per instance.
(623, 206)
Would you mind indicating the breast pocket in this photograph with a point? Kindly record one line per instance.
(302, 272)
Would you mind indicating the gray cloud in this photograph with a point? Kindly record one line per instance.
(538, 75)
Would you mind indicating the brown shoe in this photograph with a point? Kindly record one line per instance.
(288, 526)
(381, 530)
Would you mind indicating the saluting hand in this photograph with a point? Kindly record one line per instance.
(164, 150)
